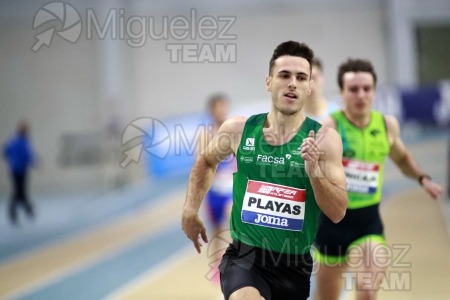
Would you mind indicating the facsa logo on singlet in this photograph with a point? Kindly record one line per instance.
(249, 144)
(269, 159)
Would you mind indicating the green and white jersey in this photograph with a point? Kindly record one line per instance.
(273, 202)
(364, 153)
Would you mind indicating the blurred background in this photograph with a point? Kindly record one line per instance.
(114, 94)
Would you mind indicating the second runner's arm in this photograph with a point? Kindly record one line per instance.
(405, 161)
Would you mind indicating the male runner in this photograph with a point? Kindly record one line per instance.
(368, 138)
(284, 180)
(317, 107)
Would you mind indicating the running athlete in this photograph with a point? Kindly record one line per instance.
(368, 137)
(219, 197)
(317, 107)
(282, 183)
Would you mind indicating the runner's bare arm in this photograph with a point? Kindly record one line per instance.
(329, 122)
(205, 137)
(405, 161)
(328, 177)
(221, 146)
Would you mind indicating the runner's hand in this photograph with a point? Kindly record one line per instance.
(432, 188)
(310, 153)
(194, 228)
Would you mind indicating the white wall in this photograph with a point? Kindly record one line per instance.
(58, 90)
(335, 32)
(402, 18)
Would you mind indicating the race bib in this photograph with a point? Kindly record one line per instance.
(275, 206)
(362, 177)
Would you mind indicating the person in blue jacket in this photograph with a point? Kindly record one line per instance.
(19, 156)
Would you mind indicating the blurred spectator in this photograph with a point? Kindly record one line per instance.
(19, 156)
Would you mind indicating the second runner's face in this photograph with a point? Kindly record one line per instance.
(289, 83)
(317, 81)
(358, 92)
(219, 111)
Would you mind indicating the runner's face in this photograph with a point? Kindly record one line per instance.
(357, 93)
(289, 84)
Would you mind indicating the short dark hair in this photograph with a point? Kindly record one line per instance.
(292, 48)
(213, 99)
(317, 63)
(355, 65)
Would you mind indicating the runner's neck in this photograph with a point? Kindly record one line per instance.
(280, 129)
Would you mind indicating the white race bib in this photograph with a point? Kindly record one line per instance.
(362, 177)
(275, 206)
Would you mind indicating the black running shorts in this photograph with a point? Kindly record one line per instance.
(334, 240)
(275, 275)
